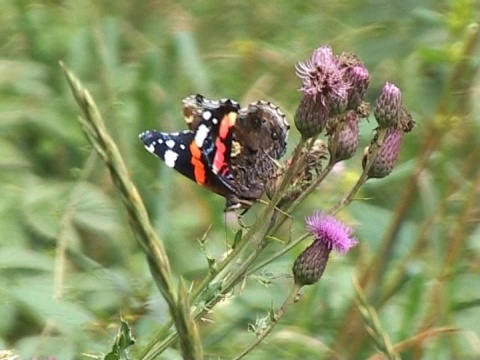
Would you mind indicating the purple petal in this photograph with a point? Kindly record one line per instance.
(333, 232)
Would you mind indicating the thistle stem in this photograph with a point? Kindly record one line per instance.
(375, 149)
(275, 317)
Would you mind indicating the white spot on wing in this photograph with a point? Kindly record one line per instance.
(150, 148)
(170, 143)
(201, 135)
(215, 121)
(170, 158)
(182, 146)
(207, 115)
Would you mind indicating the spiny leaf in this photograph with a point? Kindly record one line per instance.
(123, 340)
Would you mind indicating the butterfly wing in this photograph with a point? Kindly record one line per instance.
(174, 150)
(214, 136)
(203, 155)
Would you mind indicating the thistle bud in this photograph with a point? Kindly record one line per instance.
(348, 138)
(406, 122)
(311, 166)
(324, 91)
(356, 74)
(329, 234)
(387, 155)
(311, 116)
(388, 106)
(311, 263)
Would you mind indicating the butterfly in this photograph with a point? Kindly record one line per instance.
(228, 150)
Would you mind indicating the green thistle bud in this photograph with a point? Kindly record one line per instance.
(388, 106)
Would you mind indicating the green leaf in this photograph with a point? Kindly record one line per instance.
(123, 340)
(13, 257)
(11, 156)
(47, 347)
(94, 210)
(43, 205)
(237, 238)
(37, 294)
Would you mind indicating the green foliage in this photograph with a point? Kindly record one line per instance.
(123, 340)
(70, 264)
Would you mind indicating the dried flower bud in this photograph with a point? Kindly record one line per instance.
(311, 166)
(363, 110)
(388, 106)
(387, 155)
(348, 138)
(324, 91)
(406, 122)
(329, 233)
(356, 74)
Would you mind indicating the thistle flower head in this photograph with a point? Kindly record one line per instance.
(321, 75)
(387, 155)
(324, 88)
(388, 106)
(329, 233)
(333, 232)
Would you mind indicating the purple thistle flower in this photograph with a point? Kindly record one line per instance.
(322, 75)
(333, 232)
(325, 91)
(329, 233)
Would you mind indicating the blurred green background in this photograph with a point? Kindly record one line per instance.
(69, 263)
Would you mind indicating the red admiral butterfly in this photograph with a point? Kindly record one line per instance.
(228, 150)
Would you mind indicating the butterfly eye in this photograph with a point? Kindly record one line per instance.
(274, 135)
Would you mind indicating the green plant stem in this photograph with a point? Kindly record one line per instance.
(266, 213)
(374, 328)
(280, 253)
(374, 150)
(277, 315)
(158, 345)
(323, 174)
(96, 132)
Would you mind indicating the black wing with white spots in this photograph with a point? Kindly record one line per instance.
(172, 148)
(201, 154)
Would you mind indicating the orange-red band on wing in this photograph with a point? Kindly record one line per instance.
(219, 163)
(198, 167)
